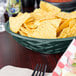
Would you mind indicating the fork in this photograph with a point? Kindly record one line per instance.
(39, 70)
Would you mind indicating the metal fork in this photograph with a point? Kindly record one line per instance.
(39, 70)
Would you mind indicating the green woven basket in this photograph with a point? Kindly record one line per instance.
(45, 46)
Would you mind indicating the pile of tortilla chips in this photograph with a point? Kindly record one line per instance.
(47, 22)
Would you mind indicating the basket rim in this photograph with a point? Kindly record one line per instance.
(30, 38)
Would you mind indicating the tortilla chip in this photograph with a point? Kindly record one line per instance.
(27, 31)
(40, 14)
(62, 26)
(73, 12)
(42, 32)
(55, 22)
(20, 13)
(49, 7)
(22, 33)
(62, 21)
(65, 15)
(31, 25)
(72, 32)
(72, 15)
(64, 33)
(72, 23)
(46, 22)
(16, 22)
(68, 32)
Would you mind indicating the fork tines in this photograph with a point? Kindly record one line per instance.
(39, 70)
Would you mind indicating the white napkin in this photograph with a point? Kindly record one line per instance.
(15, 71)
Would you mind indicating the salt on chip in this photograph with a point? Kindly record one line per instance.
(16, 22)
(49, 7)
(45, 30)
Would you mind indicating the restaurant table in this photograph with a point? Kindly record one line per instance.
(12, 53)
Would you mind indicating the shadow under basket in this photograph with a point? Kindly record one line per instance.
(45, 46)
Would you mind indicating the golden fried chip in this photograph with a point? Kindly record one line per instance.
(20, 13)
(73, 12)
(27, 31)
(64, 33)
(63, 20)
(62, 26)
(45, 30)
(72, 31)
(65, 15)
(55, 22)
(72, 15)
(72, 23)
(31, 25)
(22, 33)
(68, 32)
(40, 14)
(16, 22)
(25, 26)
(49, 7)
(45, 22)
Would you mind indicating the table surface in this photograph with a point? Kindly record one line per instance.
(12, 53)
